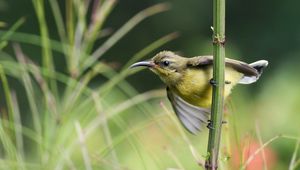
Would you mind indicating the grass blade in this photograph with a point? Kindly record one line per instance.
(47, 58)
(258, 134)
(7, 94)
(99, 15)
(251, 157)
(19, 137)
(106, 130)
(81, 139)
(294, 157)
(8, 33)
(123, 31)
(28, 88)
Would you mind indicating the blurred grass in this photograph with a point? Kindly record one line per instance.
(108, 124)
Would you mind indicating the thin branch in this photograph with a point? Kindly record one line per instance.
(218, 87)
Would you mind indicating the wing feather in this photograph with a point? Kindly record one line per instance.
(192, 117)
(241, 67)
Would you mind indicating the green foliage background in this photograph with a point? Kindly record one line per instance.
(67, 116)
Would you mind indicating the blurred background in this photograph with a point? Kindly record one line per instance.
(68, 101)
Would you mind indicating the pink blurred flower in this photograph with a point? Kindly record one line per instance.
(246, 151)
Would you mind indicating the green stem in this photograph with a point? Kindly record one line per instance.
(218, 89)
(47, 58)
(122, 31)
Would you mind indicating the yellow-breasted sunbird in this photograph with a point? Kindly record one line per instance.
(189, 81)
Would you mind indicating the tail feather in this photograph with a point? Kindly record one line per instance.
(259, 66)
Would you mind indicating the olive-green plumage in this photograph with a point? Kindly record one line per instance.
(188, 82)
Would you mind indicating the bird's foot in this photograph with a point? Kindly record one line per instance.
(213, 82)
(209, 125)
(210, 166)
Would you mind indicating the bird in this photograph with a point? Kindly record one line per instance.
(189, 83)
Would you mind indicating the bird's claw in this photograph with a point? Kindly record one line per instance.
(209, 125)
(227, 82)
(213, 82)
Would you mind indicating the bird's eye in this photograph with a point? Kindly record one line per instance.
(166, 63)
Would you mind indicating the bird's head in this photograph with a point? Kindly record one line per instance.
(167, 65)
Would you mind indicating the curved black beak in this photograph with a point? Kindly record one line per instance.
(142, 63)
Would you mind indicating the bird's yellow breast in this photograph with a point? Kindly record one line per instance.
(194, 87)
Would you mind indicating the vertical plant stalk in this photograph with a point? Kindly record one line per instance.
(47, 58)
(218, 89)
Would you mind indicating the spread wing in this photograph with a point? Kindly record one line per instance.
(241, 67)
(192, 118)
